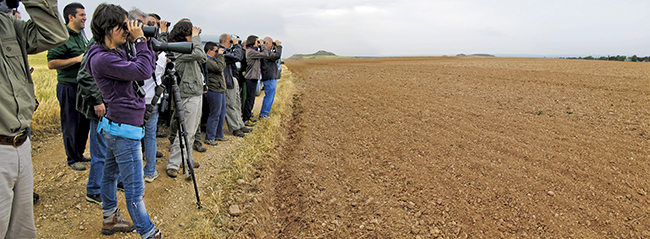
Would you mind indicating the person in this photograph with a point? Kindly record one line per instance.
(270, 74)
(188, 67)
(115, 72)
(66, 59)
(255, 52)
(216, 97)
(233, 101)
(45, 30)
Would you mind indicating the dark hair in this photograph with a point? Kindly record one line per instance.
(250, 41)
(156, 16)
(209, 46)
(71, 9)
(105, 18)
(181, 30)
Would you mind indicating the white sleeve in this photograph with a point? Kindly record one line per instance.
(160, 67)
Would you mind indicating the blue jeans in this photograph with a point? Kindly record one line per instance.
(150, 143)
(98, 156)
(269, 96)
(124, 158)
(217, 116)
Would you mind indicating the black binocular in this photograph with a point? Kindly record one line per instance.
(149, 31)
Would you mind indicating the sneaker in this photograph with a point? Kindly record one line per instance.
(115, 223)
(246, 130)
(85, 159)
(160, 134)
(172, 173)
(222, 139)
(120, 186)
(250, 123)
(238, 133)
(94, 198)
(36, 197)
(78, 166)
(156, 235)
(196, 164)
(199, 147)
(150, 179)
(159, 154)
(253, 120)
(211, 142)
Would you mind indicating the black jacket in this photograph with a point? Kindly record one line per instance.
(232, 56)
(270, 65)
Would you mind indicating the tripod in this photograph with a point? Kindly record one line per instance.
(170, 74)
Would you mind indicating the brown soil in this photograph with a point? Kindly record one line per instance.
(63, 212)
(466, 147)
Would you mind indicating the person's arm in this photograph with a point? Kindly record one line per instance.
(56, 64)
(89, 89)
(234, 55)
(197, 54)
(216, 64)
(273, 56)
(115, 67)
(45, 30)
(253, 54)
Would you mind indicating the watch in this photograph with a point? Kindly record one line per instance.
(140, 39)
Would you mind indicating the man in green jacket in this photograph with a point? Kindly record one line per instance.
(45, 30)
(66, 59)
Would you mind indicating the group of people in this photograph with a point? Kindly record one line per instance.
(106, 86)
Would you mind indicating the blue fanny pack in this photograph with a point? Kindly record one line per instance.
(121, 130)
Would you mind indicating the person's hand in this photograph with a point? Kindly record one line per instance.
(278, 43)
(100, 110)
(79, 58)
(221, 51)
(135, 29)
(196, 31)
(163, 26)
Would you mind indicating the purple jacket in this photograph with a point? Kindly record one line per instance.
(114, 71)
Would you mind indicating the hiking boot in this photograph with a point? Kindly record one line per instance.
(150, 179)
(159, 154)
(253, 120)
(199, 147)
(160, 134)
(238, 133)
(172, 173)
(36, 197)
(115, 223)
(246, 130)
(94, 198)
(211, 142)
(195, 164)
(78, 166)
(156, 235)
(249, 123)
(120, 186)
(85, 159)
(222, 139)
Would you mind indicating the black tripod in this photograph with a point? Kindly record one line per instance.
(170, 76)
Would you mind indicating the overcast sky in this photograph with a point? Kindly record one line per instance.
(419, 27)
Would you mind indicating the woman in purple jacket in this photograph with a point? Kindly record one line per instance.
(115, 73)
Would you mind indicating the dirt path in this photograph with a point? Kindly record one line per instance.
(63, 212)
(467, 147)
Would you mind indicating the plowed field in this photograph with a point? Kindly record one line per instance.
(468, 148)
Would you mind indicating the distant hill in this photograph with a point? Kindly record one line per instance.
(318, 54)
(483, 55)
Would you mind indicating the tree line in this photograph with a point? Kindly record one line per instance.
(633, 58)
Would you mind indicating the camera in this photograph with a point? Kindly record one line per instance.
(149, 31)
(12, 3)
(149, 107)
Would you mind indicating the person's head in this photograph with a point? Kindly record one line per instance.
(225, 40)
(153, 20)
(137, 14)
(268, 41)
(181, 31)
(107, 25)
(252, 41)
(75, 16)
(210, 48)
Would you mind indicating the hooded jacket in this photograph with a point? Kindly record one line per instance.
(216, 66)
(270, 65)
(114, 71)
(189, 70)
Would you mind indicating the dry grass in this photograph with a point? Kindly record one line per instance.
(246, 163)
(46, 119)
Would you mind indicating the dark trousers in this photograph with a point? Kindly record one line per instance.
(74, 126)
(251, 86)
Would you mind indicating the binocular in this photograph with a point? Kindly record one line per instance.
(149, 31)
